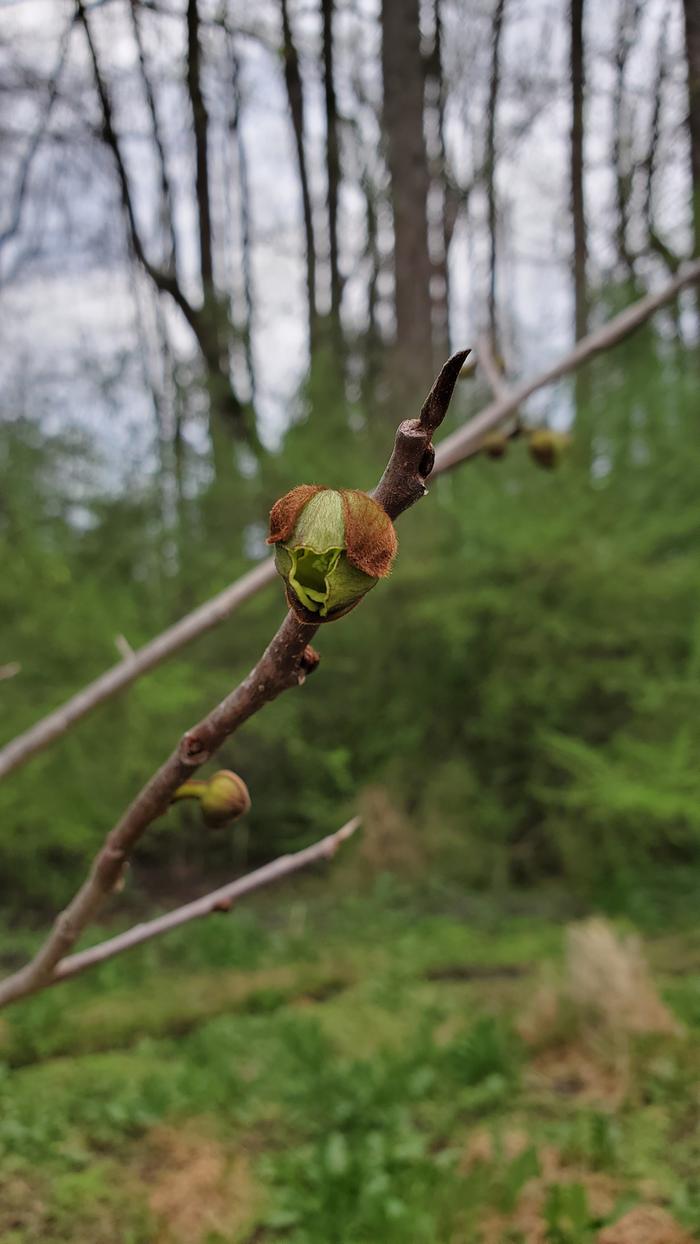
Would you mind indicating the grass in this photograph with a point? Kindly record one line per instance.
(354, 1072)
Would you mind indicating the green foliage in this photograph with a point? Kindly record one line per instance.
(540, 716)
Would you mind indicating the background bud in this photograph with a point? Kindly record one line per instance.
(332, 546)
(546, 447)
(495, 444)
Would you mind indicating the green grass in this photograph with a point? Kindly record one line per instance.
(347, 1072)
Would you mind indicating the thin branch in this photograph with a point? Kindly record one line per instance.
(285, 663)
(460, 447)
(491, 370)
(221, 900)
(466, 441)
(37, 138)
(127, 671)
(166, 192)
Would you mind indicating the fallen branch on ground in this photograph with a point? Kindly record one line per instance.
(459, 447)
(221, 900)
(285, 663)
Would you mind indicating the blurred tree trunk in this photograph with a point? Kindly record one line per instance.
(692, 44)
(577, 69)
(435, 103)
(402, 69)
(621, 138)
(332, 159)
(490, 164)
(295, 97)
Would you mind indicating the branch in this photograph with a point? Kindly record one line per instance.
(492, 371)
(285, 663)
(221, 900)
(459, 447)
(464, 443)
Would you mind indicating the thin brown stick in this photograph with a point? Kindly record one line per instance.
(221, 900)
(459, 447)
(285, 663)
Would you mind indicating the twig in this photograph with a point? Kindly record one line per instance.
(221, 900)
(492, 371)
(284, 664)
(461, 446)
(465, 442)
(10, 670)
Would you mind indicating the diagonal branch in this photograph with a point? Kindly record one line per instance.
(458, 448)
(285, 663)
(221, 900)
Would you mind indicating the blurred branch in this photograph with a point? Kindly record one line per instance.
(37, 138)
(459, 447)
(10, 670)
(285, 663)
(221, 900)
(491, 370)
(465, 442)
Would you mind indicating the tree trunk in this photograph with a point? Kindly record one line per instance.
(692, 44)
(577, 195)
(490, 164)
(295, 97)
(332, 157)
(402, 69)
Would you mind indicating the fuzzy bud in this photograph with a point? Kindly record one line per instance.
(546, 447)
(222, 799)
(331, 547)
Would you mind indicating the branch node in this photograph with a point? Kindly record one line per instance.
(192, 749)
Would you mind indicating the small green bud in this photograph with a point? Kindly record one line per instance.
(331, 548)
(222, 799)
(546, 447)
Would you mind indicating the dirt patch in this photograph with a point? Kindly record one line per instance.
(528, 1221)
(197, 1188)
(646, 1224)
(572, 1070)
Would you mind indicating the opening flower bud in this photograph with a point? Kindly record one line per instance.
(332, 546)
(222, 799)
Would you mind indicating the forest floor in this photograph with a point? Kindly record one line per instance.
(315, 1069)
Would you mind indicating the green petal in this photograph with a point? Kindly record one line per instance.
(320, 526)
(308, 576)
(345, 584)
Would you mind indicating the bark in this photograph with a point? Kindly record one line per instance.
(333, 170)
(578, 214)
(295, 97)
(402, 69)
(490, 164)
(692, 45)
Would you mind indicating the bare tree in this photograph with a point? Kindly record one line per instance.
(333, 169)
(490, 162)
(295, 97)
(578, 214)
(402, 68)
(692, 45)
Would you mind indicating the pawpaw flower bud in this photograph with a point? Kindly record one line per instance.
(222, 799)
(546, 447)
(495, 445)
(331, 547)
